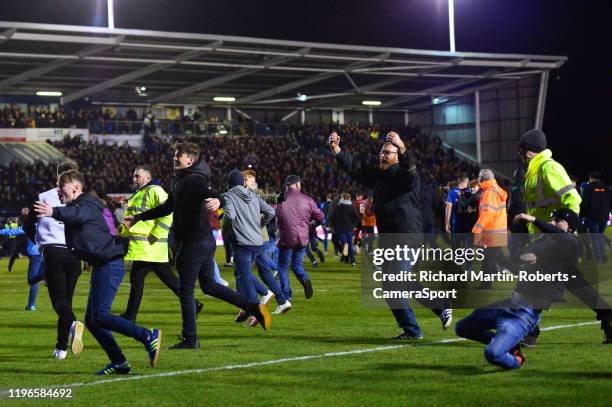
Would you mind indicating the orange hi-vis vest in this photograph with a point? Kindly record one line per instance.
(491, 229)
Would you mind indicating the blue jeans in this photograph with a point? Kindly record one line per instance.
(245, 281)
(295, 256)
(347, 238)
(511, 326)
(596, 230)
(105, 281)
(265, 265)
(35, 274)
(195, 262)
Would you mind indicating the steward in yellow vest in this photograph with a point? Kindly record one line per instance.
(148, 241)
(547, 185)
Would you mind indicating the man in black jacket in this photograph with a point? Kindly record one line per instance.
(397, 206)
(595, 209)
(344, 219)
(190, 199)
(89, 239)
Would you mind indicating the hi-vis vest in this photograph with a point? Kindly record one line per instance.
(491, 228)
(11, 225)
(547, 188)
(148, 239)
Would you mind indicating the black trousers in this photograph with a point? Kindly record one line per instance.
(18, 244)
(61, 271)
(195, 262)
(138, 273)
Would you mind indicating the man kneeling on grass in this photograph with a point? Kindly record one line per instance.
(88, 238)
(556, 252)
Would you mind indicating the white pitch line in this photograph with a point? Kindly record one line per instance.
(283, 360)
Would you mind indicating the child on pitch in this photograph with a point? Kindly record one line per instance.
(89, 238)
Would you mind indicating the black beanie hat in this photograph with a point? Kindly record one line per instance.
(534, 140)
(569, 216)
(234, 177)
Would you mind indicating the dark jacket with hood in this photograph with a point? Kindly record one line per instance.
(186, 200)
(397, 201)
(87, 234)
(344, 218)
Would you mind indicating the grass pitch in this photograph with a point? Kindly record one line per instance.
(326, 351)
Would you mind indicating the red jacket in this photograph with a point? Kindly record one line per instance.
(294, 216)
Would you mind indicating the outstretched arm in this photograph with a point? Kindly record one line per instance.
(364, 176)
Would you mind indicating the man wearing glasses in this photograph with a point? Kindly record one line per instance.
(396, 186)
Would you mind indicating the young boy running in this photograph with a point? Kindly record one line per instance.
(88, 238)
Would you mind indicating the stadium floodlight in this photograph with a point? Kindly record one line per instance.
(371, 102)
(438, 100)
(48, 93)
(451, 24)
(301, 97)
(224, 99)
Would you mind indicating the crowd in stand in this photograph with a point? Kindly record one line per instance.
(106, 120)
(108, 168)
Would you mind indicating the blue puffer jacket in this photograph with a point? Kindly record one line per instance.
(32, 250)
(87, 234)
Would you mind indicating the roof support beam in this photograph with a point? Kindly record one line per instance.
(51, 66)
(7, 35)
(307, 81)
(139, 73)
(189, 90)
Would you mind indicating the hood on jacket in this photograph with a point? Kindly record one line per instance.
(90, 199)
(241, 192)
(492, 184)
(201, 168)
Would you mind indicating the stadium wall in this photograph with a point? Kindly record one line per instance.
(505, 113)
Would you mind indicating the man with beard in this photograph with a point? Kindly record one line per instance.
(397, 206)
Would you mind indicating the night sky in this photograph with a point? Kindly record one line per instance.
(577, 119)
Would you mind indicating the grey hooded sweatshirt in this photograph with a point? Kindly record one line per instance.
(244, 209)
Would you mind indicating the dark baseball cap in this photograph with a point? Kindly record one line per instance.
(292, 179)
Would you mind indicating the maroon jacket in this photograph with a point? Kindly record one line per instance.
(294, 215)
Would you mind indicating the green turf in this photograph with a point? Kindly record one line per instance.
(570, 366)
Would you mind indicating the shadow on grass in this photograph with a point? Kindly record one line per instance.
(453, 369)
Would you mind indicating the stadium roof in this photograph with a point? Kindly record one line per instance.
(107, 65)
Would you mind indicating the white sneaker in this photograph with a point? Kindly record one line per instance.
(60, 354)
(267, 298)
(281, 309)
(76, 337)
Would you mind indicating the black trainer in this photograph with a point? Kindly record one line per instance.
(406, 336)
(186, 344)
(307, 289)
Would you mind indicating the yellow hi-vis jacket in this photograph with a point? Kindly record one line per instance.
(148, 239)
(548, 188)
(11, 225)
